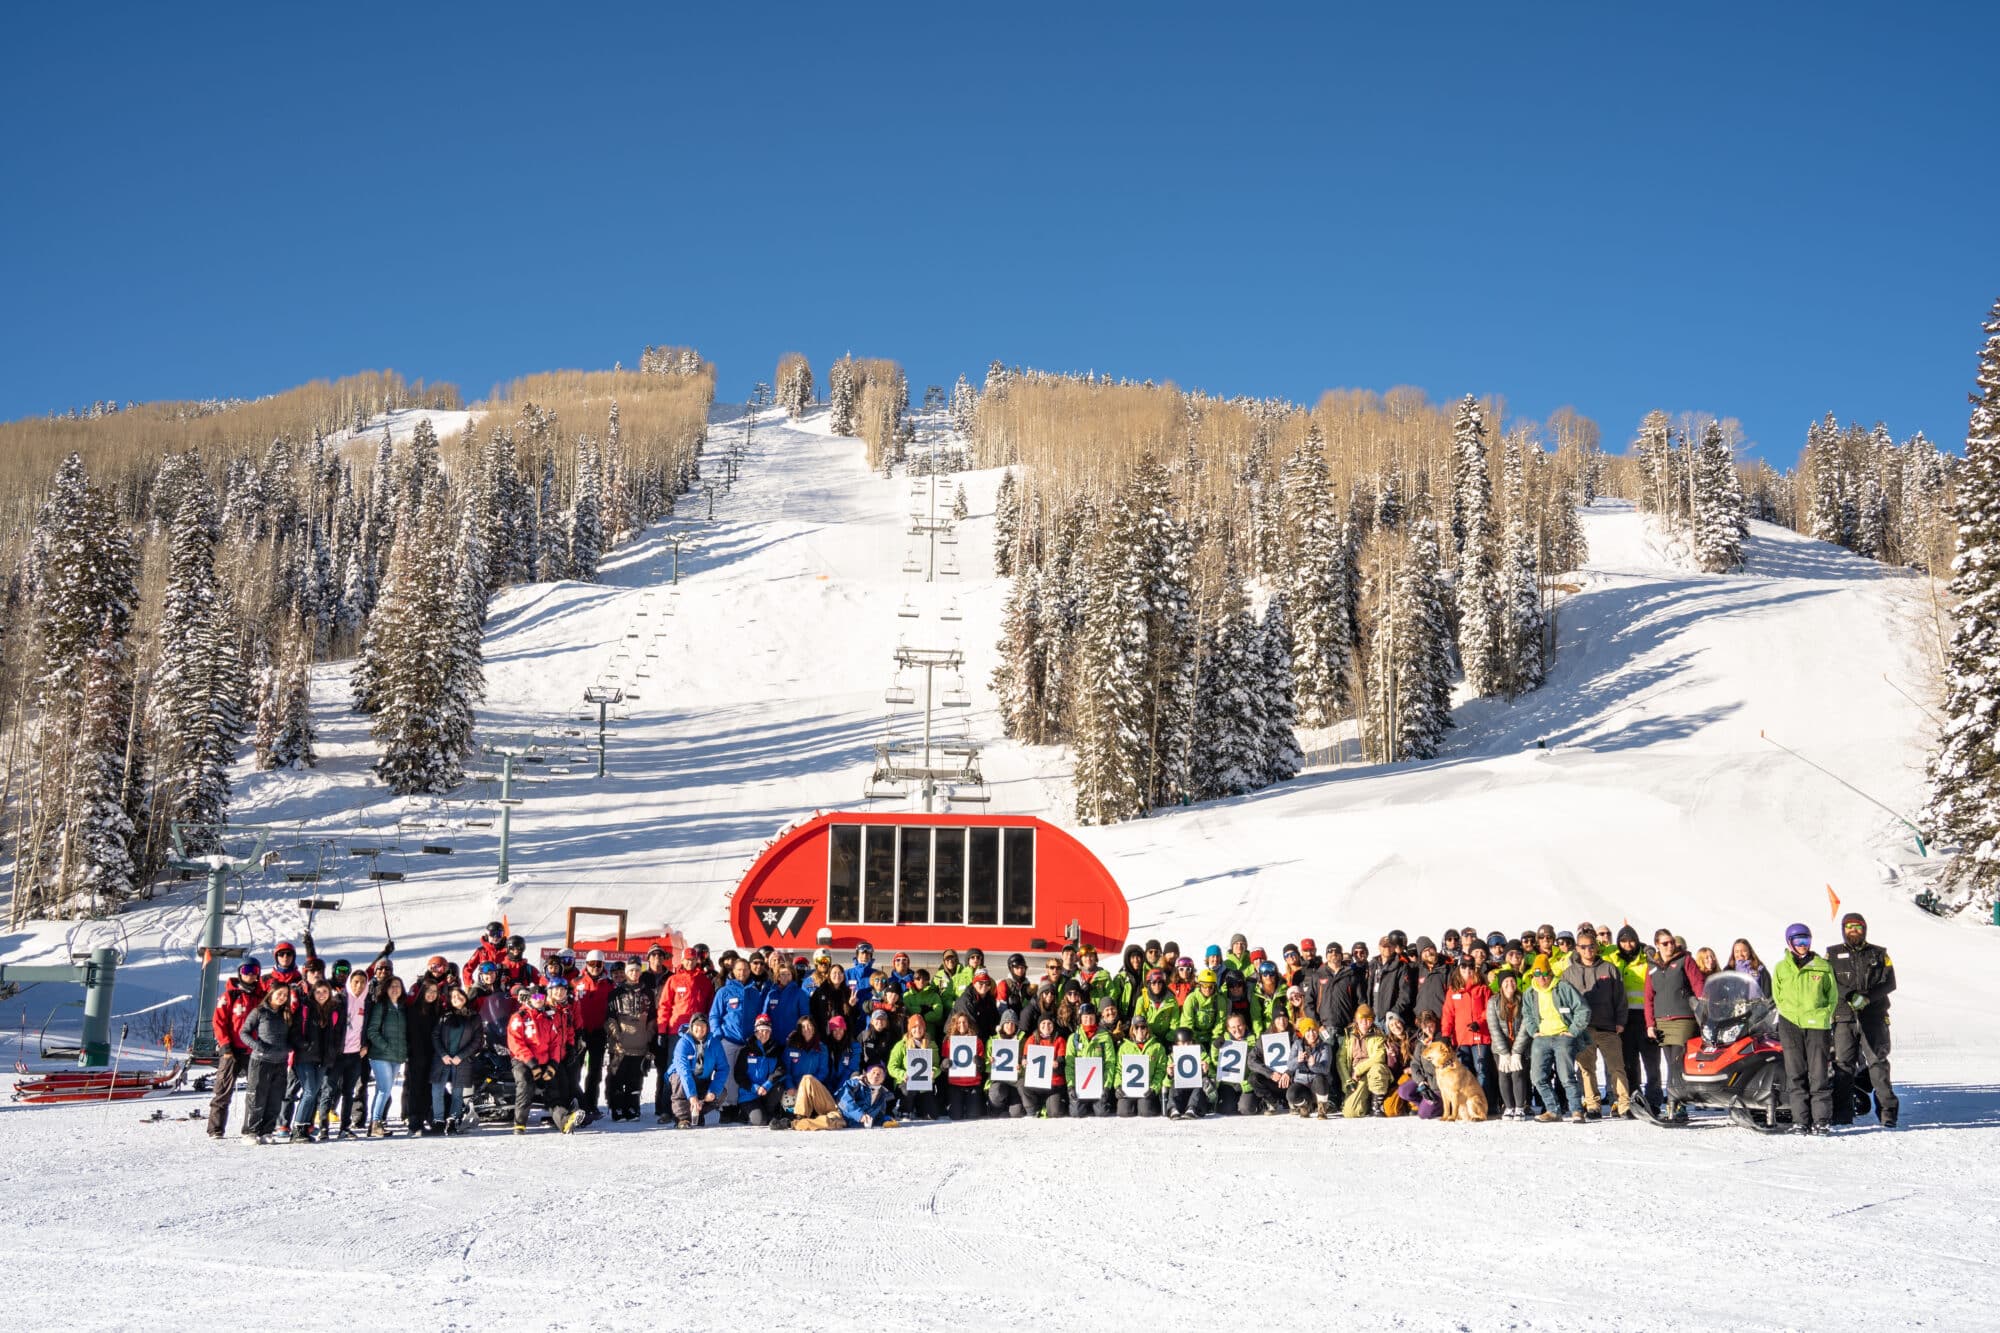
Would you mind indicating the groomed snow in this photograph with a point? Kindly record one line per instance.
(1633, 786)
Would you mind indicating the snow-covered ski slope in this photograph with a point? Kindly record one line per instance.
(1634, 785)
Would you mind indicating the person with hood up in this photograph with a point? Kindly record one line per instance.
(1130, 981)
(1807, 994)
(1866, 977)
(699, 1073)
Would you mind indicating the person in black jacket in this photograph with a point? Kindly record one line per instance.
(1433, 976)
(316, 1051)
(978, 1001)
(629, 1035)
(1866, 977)
(456, 1037)
(267, 1031)
(425, 1006)
(1394, 983)
(1341, 988)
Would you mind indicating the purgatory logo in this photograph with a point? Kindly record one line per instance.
(784, 922)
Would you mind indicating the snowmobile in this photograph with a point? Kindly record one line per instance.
(1738, 1065)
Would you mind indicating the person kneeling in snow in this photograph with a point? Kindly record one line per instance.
(865, 1101)
(698, 1074)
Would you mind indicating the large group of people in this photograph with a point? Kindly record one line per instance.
(1545, 1025)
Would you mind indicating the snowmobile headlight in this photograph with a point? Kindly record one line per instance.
(1731, 1033)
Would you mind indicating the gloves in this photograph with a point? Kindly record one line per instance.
(308, 938)
(388, 948)
(1857, 1002)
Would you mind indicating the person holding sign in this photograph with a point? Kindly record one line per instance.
(1142, 1072)
(1089, 1086)
(1312, 1076)
(1190, 1069)
(961, 1068)
(913, 1066)
(1042, 1070)
(1003, 1068)
(1230, 1058)
(1272, 1059)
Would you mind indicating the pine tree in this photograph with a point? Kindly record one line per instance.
(964, 407)
(586, 529)
(1021, 679)
(428, 673)
(961, 508)
(1229, 753)
(1410, 665)
(843, 394)
(1282, 758)
(264, 707)
(76, 856)
(1006, 523)
(1312, 565)
(1523, 623)
(1717, 516)
(1478, 610)
(1964, 806)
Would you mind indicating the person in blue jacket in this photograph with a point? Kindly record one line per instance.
(733, 1015)
(699, 1075)
(857, 976)
(787, 1001)
(865, 1101)
(760, 1075)
(843, 1052)
(806, 1054)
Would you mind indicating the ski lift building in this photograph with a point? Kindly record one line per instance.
(926, 882)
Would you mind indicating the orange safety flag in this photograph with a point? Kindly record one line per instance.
(1832, 904)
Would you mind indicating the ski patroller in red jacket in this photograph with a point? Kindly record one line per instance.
(227, 1022)
(487, 952)
(1463, 1022)
(590, 997)
(686, 994)
(563, 1017)
(532, 1035)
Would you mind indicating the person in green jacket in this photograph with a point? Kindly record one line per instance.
(917, 1103)
(1201, 1011)
(1129, 982)
(1158, 1006)
(1091, 1041)
(385, 1044)
(1238, 959)
(1804, 989)
(923, 996)
(1141, 1042)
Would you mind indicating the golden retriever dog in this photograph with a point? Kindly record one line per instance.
(1456, 1085)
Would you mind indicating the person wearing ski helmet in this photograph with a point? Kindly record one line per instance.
(859, 975)
(1866, 977)
(492, 949)
(1806, 994)
(243, 993)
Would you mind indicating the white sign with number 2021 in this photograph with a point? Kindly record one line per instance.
(917, 1069)
(1187, 1067)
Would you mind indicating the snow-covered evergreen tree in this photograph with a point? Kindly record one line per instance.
(75, 857)
(843, 395)
(195, 712)
(1479, 613)
(1313, 571)
(1021, 679)
(586, 528)
(292, 744)
(1964, 806)
(964, 407)
(795, 387)
(1409, 663)
(1006, 523)
(1718, 518)
(1229, 756)
(428, 676)
(961, 508)
(1277, 711)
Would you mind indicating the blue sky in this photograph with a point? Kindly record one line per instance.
(1761, 211)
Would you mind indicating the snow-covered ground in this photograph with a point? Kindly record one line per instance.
(1635, 785)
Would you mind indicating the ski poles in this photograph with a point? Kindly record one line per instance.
(111, 1091)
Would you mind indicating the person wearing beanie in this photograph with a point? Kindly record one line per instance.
(1003, 1096)
(1866, 977)
(1239, 958)
(699, 1071)
(1806, 993)
(1370, 1080)
(1641, 1052)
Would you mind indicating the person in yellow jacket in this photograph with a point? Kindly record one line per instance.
(1157, 1005)
(1642, 1053)
(1806, 994)
(1367, 1054)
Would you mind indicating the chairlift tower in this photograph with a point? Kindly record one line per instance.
(936, 761)
(603, 696)
(217, 867)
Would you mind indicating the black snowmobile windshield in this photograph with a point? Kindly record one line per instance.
(1733, 1000)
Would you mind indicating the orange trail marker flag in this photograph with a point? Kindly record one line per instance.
(1832, 904)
